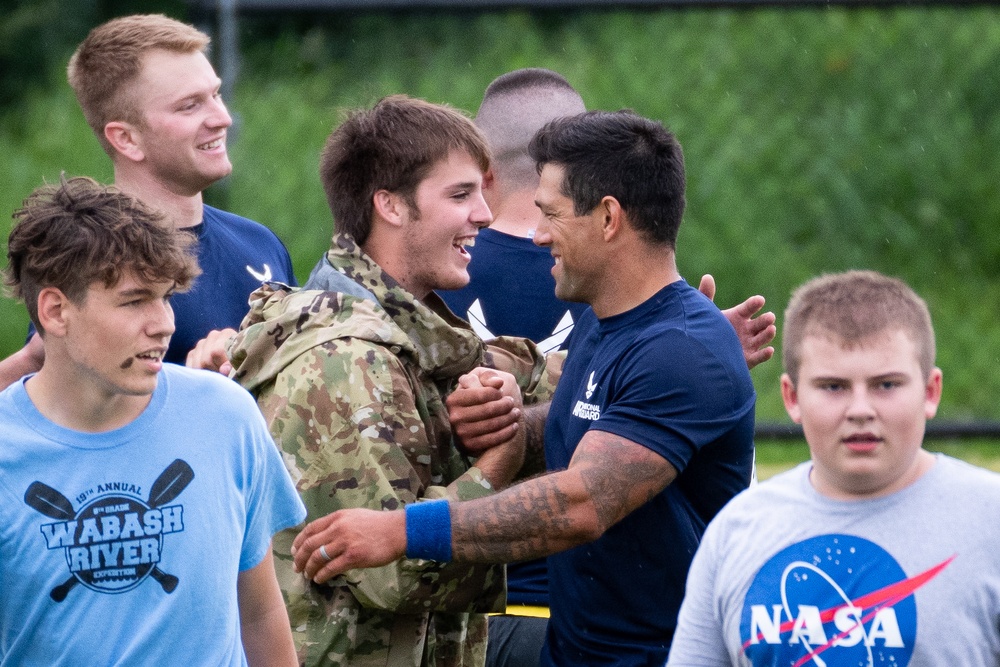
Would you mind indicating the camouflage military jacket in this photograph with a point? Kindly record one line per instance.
(353, 387)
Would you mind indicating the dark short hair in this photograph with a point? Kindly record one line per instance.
(393, 147)
(69, 235)
(851, 308)
(623, 155)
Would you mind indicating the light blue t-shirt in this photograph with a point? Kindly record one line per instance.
(123, 548)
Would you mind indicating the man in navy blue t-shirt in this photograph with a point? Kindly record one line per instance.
(152, 98)
(650, 430)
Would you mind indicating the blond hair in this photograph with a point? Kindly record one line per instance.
(105, 66)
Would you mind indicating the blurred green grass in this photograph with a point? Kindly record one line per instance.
(775, 456)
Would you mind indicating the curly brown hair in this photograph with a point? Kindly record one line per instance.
(72, 234)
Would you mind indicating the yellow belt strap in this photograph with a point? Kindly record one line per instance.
(525, 610)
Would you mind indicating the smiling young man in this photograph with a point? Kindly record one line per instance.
(152, 99)
(352, 372)
(650, 430)
(874, 552)
(133, 530)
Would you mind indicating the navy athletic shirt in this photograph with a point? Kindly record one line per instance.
(668, 375)
(236, 255)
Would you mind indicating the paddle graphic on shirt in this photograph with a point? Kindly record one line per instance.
(115, 540)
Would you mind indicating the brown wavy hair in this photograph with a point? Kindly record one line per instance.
(393, 147)
(73, 234)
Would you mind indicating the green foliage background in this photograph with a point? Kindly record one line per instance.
(816, 139)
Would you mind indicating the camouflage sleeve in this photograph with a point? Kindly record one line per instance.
(355, 433)
(546, 385)
(536, 374)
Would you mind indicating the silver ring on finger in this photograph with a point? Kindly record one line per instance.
(324, 554)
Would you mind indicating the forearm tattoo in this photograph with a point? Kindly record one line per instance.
(534, 440)
(520, 523)
(608, 478)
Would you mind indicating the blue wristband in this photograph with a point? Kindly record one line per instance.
(428, 530)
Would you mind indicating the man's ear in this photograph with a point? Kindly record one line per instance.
(489, 180)
(791, 398)
(612, 217)
(52, 309)
(391, 207)
(932, 393)
(125, 139)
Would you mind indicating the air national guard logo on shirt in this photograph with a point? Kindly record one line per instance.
(585, 409)
(114, 541)
(832, 600)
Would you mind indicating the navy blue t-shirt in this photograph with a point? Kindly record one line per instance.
(512, 292)
(668, 375)
(236, 255)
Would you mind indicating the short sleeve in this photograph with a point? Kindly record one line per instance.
(674, 395)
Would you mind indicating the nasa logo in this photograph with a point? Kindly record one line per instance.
(837, 598)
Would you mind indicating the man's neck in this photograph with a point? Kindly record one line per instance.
(79, 406)
(389, 256)
(517, 215)
(639, 273)
(182, 210)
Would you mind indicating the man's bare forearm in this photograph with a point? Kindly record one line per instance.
(534, 440)
(528, 520)
(608, 478)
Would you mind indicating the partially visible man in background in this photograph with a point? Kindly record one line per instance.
(152, 99)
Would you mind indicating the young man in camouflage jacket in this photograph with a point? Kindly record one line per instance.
(351, 374)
